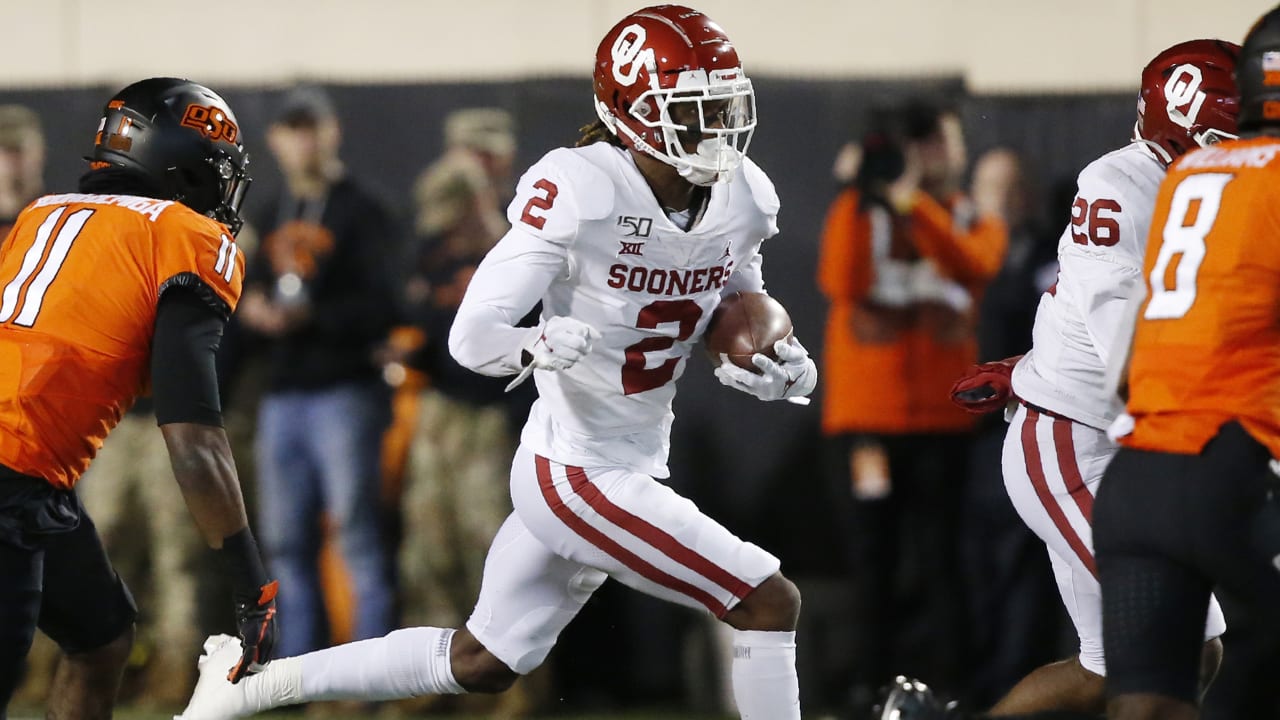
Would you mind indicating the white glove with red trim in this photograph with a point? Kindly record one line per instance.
(792, 376)
(561, 344)
(558, 345)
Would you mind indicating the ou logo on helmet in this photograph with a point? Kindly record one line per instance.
(630, 56)
(1183, 91)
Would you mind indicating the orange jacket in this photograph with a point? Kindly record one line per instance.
(889, 365)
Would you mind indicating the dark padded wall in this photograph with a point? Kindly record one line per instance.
(746, 462)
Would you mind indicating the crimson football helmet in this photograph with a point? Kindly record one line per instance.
(1188, 98)
(667, 79)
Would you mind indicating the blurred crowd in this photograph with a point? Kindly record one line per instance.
(377, 467)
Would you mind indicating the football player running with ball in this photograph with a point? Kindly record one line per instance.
(629, 241)
(1057, 448)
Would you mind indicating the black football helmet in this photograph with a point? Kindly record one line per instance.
(1258, 74)
(182, 139)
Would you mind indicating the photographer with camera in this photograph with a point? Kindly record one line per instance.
(905, 258)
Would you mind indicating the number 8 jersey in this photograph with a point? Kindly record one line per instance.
(81, 278)
(590, 241)
(1207, 344)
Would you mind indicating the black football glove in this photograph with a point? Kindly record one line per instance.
(254, 598)
(256, 624)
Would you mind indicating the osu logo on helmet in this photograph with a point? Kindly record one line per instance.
(211, 121)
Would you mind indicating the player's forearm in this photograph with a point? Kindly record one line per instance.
(485, 339)
(206, 474)
(509, 282)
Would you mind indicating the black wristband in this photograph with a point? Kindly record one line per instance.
(242, 565)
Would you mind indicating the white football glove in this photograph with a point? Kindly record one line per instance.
(792, 376)
(560, 344)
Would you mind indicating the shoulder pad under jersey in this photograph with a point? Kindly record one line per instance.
(585, 170)
(762, 190)
(1131, 172)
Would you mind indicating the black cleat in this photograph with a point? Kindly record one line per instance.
(908, 699)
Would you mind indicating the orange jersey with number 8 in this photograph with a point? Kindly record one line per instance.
(1207, 344)
(80, 279)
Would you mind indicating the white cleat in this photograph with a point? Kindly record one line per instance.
(215, 698)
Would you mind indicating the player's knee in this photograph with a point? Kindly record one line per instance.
(773, 606)
(476, 669)
(1149, 706)
(112, 655)
(1084, 673)
(1090, 665)
(1090, 688)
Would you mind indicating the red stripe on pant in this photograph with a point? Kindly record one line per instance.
(1070, 468)
(653, 535)
(613, 549)
(1035, 470)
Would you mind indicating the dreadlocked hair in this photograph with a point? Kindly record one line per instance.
(597, 132)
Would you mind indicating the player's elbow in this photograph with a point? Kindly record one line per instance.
(464, 345)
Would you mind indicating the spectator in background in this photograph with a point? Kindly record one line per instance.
(21, 162)
(319, 290)
(459, 198)
(904, 261)
(455, 488)
(1016, 615)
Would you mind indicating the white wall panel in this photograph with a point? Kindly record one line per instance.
(998, 45)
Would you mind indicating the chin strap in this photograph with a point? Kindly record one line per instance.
(1161, 154)
(696, 175)
(714, 152)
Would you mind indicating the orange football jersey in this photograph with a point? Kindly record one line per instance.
(80, 279)
(1207, 344)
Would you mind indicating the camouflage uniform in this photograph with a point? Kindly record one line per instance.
(455, 494)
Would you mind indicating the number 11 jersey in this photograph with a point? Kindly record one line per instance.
(82, 276)
(590, 241)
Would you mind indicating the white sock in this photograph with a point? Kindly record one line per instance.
(765, 685)
(278, 684)
(405, 663)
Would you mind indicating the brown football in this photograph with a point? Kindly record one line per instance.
(745, 324)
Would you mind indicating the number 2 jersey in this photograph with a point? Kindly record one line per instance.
(1207, 345)
(82, 276)
(590, 241)
(1080, 320)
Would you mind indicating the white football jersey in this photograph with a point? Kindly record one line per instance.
(590, 241)
(1081, 321)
